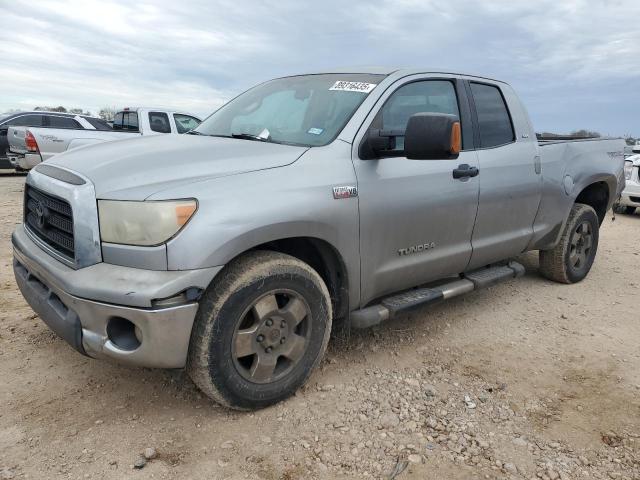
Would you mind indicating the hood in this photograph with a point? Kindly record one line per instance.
(134, 169)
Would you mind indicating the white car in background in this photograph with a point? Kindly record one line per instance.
(630, 199)
(31, 145)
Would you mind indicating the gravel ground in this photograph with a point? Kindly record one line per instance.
(528, 379)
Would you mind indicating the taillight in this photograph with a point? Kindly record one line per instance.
(30, 142)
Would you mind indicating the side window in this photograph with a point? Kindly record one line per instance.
(117, 121)
(98, 123)
(26, 121)
(494, 121)
(435, 96)
(184, 123)
(63, 122)
(126, 121)
(159, 122)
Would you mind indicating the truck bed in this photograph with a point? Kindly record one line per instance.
(52, 141)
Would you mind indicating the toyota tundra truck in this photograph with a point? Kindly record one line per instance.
(307, 201)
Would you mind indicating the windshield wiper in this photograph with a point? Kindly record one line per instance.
(263, 136)
(248, 136)
(193, 132)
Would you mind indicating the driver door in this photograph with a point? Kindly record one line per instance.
(416, 220)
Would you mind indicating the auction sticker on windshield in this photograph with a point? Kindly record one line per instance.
(345, 86)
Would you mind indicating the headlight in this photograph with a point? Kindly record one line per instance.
(143, 223)
(628, 169)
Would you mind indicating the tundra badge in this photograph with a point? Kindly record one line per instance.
(346, 191)
(416, 249)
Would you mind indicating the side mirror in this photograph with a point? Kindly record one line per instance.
(377, 142)
(432, 136)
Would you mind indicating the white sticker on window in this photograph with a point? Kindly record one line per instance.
(344, 86)
(315, 131)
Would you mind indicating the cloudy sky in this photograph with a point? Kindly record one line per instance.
(576, 63)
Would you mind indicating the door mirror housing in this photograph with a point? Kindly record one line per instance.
(432, 136)
(428, 136)
(377, 143)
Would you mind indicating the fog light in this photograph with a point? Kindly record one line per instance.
(124, 334)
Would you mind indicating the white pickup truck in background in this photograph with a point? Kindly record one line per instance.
(31, 145)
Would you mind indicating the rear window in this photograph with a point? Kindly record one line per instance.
(159, 122)
(98, 123)
(494, 121)
(63, 122)
(184, 123)
(126, 121)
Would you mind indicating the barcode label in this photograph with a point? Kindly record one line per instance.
(344, 86)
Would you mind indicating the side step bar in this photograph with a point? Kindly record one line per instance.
(407, 301)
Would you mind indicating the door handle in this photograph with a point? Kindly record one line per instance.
(465, 170)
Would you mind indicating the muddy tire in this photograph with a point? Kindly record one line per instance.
(261, 329)
(571, 259)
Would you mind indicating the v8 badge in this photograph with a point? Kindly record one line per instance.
(346, 191)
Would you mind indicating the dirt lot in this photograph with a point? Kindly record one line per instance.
(528, 379)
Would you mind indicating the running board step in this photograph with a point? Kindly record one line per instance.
(407, 301)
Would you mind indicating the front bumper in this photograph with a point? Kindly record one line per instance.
(631, 194)
(89, 307)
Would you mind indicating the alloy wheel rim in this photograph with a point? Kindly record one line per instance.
(272, 336)
(581, 245)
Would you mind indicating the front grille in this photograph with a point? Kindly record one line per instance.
(50, 219)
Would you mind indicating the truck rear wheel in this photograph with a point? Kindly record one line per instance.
(261, 328)
(573, 256)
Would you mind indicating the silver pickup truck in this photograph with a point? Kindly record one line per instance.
(305, 202)
(30, 146)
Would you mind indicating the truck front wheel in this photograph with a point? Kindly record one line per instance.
(261, 328)
(573, 256)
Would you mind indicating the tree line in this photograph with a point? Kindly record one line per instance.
(586, 134)
(106, 113)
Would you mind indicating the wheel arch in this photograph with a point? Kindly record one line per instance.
(320, 255)
(325, 259)
(597, 196)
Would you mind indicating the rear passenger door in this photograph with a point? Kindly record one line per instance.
(510, 179)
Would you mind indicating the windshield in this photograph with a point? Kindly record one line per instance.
(308, 110)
